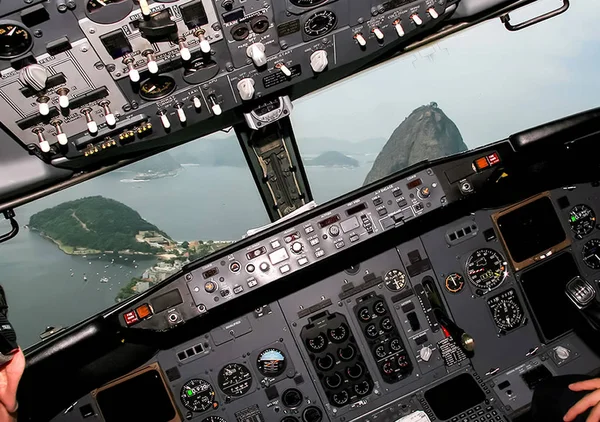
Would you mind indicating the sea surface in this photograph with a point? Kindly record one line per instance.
(200, 203)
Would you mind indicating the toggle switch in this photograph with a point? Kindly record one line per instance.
(256, 52)
(181, 113)
(378, 34)
(144, 7)
(134, 75)
(39, 132)
(184, 51)
(197, 103)
(214, 105)
(399, 29)
(164, 119)
(204, 44)
(284, 69)
(319, 61)
(246, 88)
(108, 115)
(433, 13)
(43, 106)
(61, 136)
(91, 124)
(360, 39)
(151, 58)
(417, 20)
(63, 99)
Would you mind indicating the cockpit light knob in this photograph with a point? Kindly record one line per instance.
(360, 39)
(433, 13)
(378, 34)
(256, 52)
(246, 88)
(399, 28)
(319, 61)
(417, 20)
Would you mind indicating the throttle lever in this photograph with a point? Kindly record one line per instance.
(462, 339)
(583, 296)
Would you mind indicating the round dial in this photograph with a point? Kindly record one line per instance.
(340, 398)
(14, 40)
(395, 280)
(364, 314)
(339, 334)
(320, 23)
(507, 315)
(591, 254)
(235, 379)
(379, 307)
(486, 268)
(326, 362)
(355, 371)
(386, 324)
(271, 362)
(395, 344)
(380, 351)
(108, 11)
(371, 331)
(333, 381)
(455, 283)
(157, 87)
(347, 353)
(388, 368)
(362, 388)
(214, 419)
(197, 395)
(318, 343)
(306, 3)
(582, 220)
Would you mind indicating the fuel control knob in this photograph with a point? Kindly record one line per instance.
(319, 61)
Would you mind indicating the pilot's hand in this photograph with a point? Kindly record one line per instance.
(10, 374)
(591, 400)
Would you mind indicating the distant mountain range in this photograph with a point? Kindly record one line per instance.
(427, 133)
(332, 159)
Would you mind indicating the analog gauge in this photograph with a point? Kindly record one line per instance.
(486, 269)
(355, 371)
(362, 388)
(197, 395)
(108, 11)
(364, 314)
(507, 315)
(235, 379)
(339, 334)
(320, 23)
(455, 282)
(325, 363)
(333, 381)
(306, 3)
(317, 344)
(582, 220)
(14, 40)
(506, 310)
(214, 419)
(347, 353)
(380, 351)
(379, 307)
(395, 344)
(371, 331)
(386, 324)
(395, 280)
(157, 87)
(340, 398)
(591, 254)
(388, 368)
(271, 362)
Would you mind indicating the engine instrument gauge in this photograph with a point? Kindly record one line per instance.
(455, 282)
(395, 280)
(271, 362)
(307, 3)
(486, 269)
(108, 11)
(339, 334)
(318, 343)
(591, 254)
(214, 419)
(340, 398)
(506, 310)
(362, 388)
(582, 220)
(157, 87)
(320, 23)
(235, 379)
(14, 40)
(197, 395)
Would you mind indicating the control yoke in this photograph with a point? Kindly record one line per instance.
(583, 295)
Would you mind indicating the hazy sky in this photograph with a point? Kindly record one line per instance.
(489, 81)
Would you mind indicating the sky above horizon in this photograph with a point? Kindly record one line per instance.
(489, 81)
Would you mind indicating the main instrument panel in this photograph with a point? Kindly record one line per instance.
(84, 80)
(384, 338)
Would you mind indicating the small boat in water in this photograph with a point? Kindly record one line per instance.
(104, 280)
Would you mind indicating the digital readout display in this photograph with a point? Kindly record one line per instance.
(356, 208)
(414, 183)
(329, 221)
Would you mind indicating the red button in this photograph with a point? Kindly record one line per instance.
(130, 318)
(493, 158)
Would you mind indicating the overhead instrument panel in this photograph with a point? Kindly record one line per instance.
(531, 230)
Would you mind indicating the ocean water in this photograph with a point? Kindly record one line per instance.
(218, 203)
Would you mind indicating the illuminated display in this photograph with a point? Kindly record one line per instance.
(329, 221)
(414, 184)
(357, 208)
(210, 273)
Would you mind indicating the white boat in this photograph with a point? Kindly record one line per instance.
(104, 280)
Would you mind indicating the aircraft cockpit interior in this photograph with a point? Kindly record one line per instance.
(298, 210)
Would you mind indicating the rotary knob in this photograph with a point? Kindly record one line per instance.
(562, 353)
(257, 53)
(297, 247)
(425, 353)
(319, 61)
(246, 88)
(264, 267)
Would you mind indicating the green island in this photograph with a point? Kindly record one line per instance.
(98, 225)
(333, 159)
